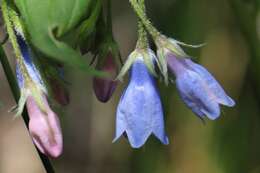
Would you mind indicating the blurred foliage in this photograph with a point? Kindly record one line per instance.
(46, 31)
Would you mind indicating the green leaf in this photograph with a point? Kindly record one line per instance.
(48, 20)
(88, 26)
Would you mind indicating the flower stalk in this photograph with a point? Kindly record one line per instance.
(144, 19)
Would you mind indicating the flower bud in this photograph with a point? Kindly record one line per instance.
(105, 87)
(44, 125)
(44, 128)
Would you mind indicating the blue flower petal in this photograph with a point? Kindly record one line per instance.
(19, 77)
(212, 84)
(139, 112)
(29, 64)
(196, 96)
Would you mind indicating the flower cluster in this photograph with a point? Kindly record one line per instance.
(139, 112)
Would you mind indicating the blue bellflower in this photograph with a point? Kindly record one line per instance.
(30, 67)
(28, 76)
(198, 88)
(140, 113)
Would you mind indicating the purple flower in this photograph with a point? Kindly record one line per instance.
(105, 87)
(198, 88)
(139, 113)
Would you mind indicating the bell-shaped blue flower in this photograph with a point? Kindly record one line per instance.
(198, 88)
(140, 113)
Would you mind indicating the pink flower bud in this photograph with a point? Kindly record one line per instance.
(105, 87)
(45, 128)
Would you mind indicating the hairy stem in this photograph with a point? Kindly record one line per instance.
(144, 19)
(142, 42)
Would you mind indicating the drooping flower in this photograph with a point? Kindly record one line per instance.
(105, 87)
(108, 59)
(198, 88)
(44, 128)
(139, 112)
(44, 125)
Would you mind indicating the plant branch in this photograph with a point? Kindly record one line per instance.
(144, 19)
(142, 42)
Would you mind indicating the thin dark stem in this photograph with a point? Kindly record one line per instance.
(9, 75)
(142, 35)
(5, 39)
(15, 91)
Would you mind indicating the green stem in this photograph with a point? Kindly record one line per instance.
(10, 31)
(144, 19)
(142, 42)
(9, 75)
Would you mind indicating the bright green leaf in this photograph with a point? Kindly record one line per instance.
(48, 20)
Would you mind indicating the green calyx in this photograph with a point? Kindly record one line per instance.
(149, 58)
(109, 48)
(146, 54)
(130, 60)
(34, 91)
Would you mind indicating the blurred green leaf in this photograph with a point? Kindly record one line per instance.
(46, 21)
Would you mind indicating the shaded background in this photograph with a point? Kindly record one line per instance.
(230, 144)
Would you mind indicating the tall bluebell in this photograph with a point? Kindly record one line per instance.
(140, 112)
(198, 88)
